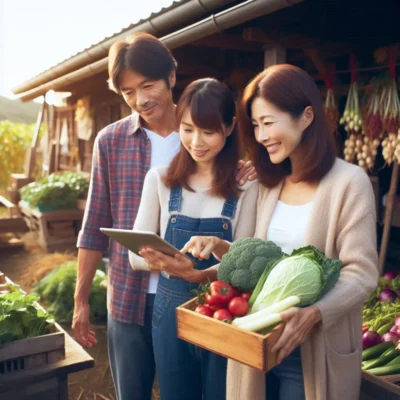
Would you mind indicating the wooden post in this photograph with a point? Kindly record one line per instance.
(387, 224)
(57, 142)
(32, 150)
(274, 55)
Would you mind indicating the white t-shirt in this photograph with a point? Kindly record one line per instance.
(153, 214)
(163, 150)
(288, 226)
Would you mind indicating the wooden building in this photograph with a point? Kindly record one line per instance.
(233, 40)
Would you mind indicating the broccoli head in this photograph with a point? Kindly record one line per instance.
(245, 262)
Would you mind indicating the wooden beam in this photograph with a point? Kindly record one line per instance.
(197, 70)
(294, 41)
(318, 61)
(274, 55)
(297, 41)
(231, 42)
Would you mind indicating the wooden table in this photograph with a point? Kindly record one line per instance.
(49, 382)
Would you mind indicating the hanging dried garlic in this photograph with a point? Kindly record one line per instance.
(331, 112)
(361, 148)
(352, 119)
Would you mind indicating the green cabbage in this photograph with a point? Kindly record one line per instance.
(307, 273)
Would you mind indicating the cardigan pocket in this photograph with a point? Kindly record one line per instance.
(341, 337)
(344, 374)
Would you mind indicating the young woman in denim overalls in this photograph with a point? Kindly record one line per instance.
(187, 213)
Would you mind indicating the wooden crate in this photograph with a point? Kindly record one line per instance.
(26, 354)
(30, 353)
(56, 230)
(378, 387)
(227, 340)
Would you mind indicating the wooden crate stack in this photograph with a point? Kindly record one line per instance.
(26, 354)
(56, 230)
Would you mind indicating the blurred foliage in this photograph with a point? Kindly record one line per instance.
(15, 140)
(58, 190)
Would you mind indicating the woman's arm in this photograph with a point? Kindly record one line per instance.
(357, 249)
(148, 216)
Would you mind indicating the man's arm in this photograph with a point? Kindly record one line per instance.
(88, 262)
(91, 242)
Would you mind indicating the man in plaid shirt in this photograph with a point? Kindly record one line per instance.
(143, 70)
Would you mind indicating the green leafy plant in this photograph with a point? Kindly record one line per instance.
(59, 191)
(57, 288)
(20, 317)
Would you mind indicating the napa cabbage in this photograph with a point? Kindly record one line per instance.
(307, 274)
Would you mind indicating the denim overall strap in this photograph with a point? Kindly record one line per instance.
(229, 209)
(175, 199)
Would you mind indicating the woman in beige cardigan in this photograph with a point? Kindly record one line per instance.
(308, 197)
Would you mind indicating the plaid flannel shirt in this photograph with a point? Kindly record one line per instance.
(121, 159)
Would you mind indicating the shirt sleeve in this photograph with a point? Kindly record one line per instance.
(356, 246)
(148, 216)
(98, 208)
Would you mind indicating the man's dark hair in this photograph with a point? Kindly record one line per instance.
(141, 53)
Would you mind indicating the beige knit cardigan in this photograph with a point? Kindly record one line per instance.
(343, 225)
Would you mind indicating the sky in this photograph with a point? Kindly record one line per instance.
(37, 34)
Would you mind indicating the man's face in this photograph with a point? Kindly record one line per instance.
(149, 98)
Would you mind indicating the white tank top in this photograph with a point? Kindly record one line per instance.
(288, 226)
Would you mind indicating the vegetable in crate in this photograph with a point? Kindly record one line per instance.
(245, 262)
(57, 289)
(20, 317)
(59, 191)
(301, 279)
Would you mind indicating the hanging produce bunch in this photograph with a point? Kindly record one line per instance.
(373, 121)
(390, 106)
(332, 112)
(362, 143)
(353, 125)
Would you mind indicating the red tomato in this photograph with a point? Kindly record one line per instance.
(221, 292)
(212, 308)
(201, 309)
(223, 315)
(236, 292)
(238, 306)
(213, 301)
(246, 295)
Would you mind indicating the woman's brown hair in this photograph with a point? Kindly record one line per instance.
(291, 90)
(212, 107)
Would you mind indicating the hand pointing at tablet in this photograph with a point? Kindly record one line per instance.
(201, 247)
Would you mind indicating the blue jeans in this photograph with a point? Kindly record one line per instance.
(285, 381)
(130, 350)
(186, 372)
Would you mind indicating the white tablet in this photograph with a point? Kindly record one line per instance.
(135, 240)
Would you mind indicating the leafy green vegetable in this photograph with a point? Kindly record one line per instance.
(57, 288)
(261, 281)
(21, 318)
(60, 191)
(330, 268)
(307, 273)
(246, 261)
(381, 314)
